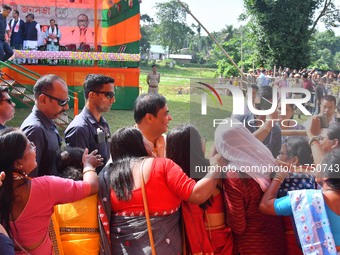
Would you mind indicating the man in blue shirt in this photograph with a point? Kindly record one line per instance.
(51, 100)
(89, 129)
(263, 80)
(5, 50)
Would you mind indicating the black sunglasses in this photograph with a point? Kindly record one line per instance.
(109, 95)
(8, 100)
(60, 101)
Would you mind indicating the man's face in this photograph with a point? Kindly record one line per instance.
(154, 69)
(289, 112)
(160, 121)
(328, 108)
(52, 23)
(5, 13)
(104, 98)
(82, 21)
(53, 100)
(7, 109)
(15, 15)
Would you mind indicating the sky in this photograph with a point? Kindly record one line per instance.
(213, 16)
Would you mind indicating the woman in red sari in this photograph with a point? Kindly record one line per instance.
(205, 225)
(122, 214)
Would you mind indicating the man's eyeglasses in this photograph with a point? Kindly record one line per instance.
(8, 100)
(60, 101)
(109, 94)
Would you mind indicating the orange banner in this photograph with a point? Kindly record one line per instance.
(75, 18)
(125, 32)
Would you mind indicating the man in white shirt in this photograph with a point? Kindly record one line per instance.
(152, 117)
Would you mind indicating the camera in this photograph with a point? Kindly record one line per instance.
(100, 136)
(323, 121)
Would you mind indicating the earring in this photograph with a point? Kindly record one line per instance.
(20, 166)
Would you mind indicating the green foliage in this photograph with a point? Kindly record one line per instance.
(172, 30)
(239, 45)
(325, 50)
(278, 32)
(282, 29)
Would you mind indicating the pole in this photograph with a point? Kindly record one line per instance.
(241, 48)
(215, 41)
(96, 24)
(75, 103)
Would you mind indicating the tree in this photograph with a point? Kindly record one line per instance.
(282, 29)
(146, 32)
(172, 29)
(232, 40)
(325, 50)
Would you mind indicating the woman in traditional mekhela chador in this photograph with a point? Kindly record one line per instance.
(316, 212)
(254, 233)
(205, 224)
(27, 204)
(295, 151)
(123, 223)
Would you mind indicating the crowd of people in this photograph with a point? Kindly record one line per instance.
(95, 191)
(319, 83)
(130, 191)
(15, 33)
(20, 35)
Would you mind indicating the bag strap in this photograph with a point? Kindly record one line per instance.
(146, 209)
(22, 248)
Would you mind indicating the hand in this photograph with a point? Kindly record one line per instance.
(93, 159)
(284, 173)
(213, 151)
(218, 160)
(2, 177)
(273, 116)
(160, 146)
(314, 127)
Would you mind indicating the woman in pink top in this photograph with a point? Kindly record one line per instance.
(27, 204)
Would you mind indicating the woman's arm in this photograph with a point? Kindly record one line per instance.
(205, 187)
(312, 132)
(267, 127)
(267, 202)
(90, 162)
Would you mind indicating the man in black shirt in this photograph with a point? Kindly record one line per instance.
(5, 50)
(51, 100)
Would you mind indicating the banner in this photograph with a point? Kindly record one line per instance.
(75, 18)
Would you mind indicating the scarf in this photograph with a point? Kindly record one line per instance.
(15, 28)
(244, 152)
(54, 32)
(312, 222)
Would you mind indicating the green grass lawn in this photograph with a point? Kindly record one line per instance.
(181, 108)
(172, 80)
